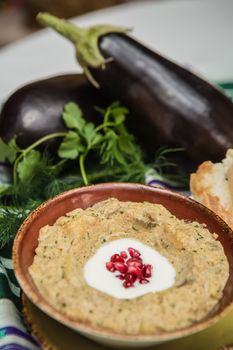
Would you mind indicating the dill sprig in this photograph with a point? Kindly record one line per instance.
(11, 218)
(167, 169)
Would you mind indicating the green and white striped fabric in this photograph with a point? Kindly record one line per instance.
(228, 88)
(8, 281)
(13, 333)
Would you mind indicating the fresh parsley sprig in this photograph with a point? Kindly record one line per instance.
(82, 138)
(110, 140)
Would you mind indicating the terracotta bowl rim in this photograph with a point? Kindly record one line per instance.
(79, 325)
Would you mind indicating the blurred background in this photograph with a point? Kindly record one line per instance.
(194, 33)
(17, 17)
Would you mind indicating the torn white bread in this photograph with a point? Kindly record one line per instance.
(212, 185)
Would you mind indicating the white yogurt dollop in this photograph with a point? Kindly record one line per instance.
(98, 277)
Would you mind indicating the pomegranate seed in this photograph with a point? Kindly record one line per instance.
(131, 268)
(123, 255)
(134, 262)
(116, 258)
(121, 267)
(135, 271)
(133, 253)
(147, 270)
(121, 277)
(110, 266)
(128, 284)
(143, 281)
(130, 278)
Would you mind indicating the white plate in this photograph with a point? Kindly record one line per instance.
(197, 33)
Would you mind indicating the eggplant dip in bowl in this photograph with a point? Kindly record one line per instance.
(127, 263)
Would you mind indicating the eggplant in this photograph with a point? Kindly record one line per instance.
(35, 110)
(168, 103)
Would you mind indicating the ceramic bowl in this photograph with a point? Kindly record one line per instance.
(182, 207)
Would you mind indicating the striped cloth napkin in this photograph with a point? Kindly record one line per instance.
(13, 332)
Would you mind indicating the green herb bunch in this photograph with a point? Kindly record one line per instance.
(113, 145)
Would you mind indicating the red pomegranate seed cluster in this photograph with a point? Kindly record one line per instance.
(131, 267)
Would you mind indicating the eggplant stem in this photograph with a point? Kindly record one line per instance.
(63, 27)
(86, 41)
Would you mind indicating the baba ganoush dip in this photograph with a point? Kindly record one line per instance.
(200, 265)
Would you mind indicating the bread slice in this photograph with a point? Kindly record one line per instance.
(212, 185)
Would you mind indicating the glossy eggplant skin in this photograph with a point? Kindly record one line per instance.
(35, 110)
(168, 104)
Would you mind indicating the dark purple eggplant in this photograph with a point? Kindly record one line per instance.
(35, 110)
(169, 104)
